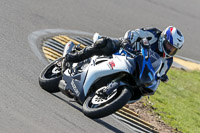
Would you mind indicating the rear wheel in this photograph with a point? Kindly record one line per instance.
(50, 76)
(97, 106)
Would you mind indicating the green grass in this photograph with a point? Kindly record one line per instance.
(178, 101)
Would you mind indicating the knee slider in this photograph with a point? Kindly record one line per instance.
(100, 43)
(109, 47)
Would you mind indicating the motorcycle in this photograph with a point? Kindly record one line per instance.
(104, 84)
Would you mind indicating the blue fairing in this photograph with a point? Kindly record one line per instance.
(149, 64)
(146, 62)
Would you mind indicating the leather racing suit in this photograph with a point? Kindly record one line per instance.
(107, 46)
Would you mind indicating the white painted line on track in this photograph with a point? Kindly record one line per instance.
(187, 59)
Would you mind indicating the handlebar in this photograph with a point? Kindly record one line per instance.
(145, 48)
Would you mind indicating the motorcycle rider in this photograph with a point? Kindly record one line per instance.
(166, 43)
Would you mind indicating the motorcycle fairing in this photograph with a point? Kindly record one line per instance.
(148, 66)
(80, 83)
(75, 84)
(103, 69)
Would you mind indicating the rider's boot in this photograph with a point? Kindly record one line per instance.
(68, 48)
(96, 37)
(101, 46)
(96, 49)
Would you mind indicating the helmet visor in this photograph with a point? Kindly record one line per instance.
(169, 49)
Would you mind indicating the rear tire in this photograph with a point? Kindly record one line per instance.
(49, 77)
(117, 102)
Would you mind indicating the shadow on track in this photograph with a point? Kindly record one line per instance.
(68, 102)
(99, 121)
(107, 125)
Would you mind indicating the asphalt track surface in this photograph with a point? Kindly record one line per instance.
(24, 107)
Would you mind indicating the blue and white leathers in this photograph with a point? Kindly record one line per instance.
(155, 42)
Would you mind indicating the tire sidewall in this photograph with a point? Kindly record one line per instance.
(49, 84)
(109, 108)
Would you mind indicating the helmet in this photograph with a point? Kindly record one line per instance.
(170, 41)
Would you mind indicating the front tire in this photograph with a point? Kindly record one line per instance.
(50, 76)
(95, 111)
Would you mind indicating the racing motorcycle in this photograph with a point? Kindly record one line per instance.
(104, 84)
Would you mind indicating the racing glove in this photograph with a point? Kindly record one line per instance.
(130, 39)
(131, 36)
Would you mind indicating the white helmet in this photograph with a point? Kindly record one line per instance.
(170, 41)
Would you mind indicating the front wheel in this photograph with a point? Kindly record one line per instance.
(50, 76)
(96, 106)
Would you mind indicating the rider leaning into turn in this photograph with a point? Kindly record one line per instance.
(166, 43)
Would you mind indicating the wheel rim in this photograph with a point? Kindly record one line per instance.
(53, 71)
(98, 100)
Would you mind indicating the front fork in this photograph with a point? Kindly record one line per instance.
(112, 86)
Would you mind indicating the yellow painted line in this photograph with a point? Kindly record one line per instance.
(49, 57)
(46, 52)
(129, 111)
(50, 54)
(60, 41)
(74, 41)
(136, 118)
(65, 39)
(134, 121)
(52, 51)
(187, 64)
(69, 39)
